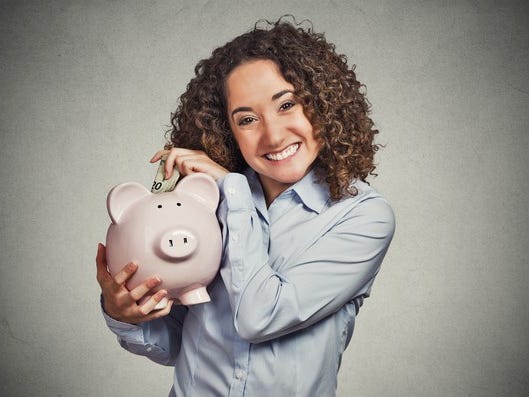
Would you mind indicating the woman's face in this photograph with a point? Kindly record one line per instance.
(274, 136)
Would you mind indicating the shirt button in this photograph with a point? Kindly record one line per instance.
(235, 237)
(239, 374)
(231, 191)
(149, 349)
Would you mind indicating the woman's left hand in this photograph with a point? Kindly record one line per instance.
(188, 162)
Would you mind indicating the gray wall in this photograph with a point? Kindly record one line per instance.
(87, 89)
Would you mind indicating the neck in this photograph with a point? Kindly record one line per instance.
(272, 189)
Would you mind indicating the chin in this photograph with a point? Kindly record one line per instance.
(293, 177)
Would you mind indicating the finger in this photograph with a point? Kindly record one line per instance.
(186, 165)
(102, 276)
(161, 313)
(154, 314)
(100, 256)
(188, 160)
(142, 289)
(158, 155)
(126, 273)
(190, 164)
(151, 303)
(202, 163)
(172, 160)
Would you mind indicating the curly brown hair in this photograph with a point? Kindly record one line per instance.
(332, 99)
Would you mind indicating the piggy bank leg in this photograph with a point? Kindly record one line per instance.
(194, 295)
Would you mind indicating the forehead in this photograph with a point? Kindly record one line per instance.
(252, 81)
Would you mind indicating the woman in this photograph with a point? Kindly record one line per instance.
(280, 121)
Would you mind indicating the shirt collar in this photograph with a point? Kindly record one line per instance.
(313, 194)
(257, 192)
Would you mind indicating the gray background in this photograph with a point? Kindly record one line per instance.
(87, 90)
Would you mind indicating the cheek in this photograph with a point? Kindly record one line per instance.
(244, 144)
(306, 128)
(304, 124)
(237, 136)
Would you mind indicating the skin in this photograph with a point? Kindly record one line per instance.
(275, 138)
(273, 134)
(120, 303)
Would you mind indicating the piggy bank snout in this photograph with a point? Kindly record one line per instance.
(178, 243)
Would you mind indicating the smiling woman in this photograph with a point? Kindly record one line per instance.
(277, 118)
(322, 83)
(274, 136)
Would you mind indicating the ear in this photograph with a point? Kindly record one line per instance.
(202, 187)
(122, 196)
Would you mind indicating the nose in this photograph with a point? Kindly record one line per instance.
(178, 243)
(273, 133)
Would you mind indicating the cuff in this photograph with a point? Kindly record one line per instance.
(129, 332)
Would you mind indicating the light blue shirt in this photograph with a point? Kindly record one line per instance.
(283, 305)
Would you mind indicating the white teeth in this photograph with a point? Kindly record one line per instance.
(289, 151)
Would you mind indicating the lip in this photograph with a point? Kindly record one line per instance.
(277, 155)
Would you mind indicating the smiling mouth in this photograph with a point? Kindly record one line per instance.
(287, 152)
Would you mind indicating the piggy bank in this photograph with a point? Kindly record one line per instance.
(173, 235)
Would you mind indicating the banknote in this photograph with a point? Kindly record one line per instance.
(161, 184)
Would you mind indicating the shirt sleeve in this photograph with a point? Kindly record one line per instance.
(338, 266)
(159, 340)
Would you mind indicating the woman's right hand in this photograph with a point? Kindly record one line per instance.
(120, 303)
(189, 161)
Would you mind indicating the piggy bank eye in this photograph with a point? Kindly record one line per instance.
(178, 204)
(159, 206)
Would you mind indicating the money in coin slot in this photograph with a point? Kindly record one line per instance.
(160, 184)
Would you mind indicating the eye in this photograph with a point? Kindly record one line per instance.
(287, 105)
(245, 120)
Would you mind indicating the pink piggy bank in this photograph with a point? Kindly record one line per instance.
(174, 235)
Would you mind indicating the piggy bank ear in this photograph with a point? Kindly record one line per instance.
(122, 196)
(202, 187)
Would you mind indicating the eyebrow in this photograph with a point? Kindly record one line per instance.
(274, 97)
(281, 93)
